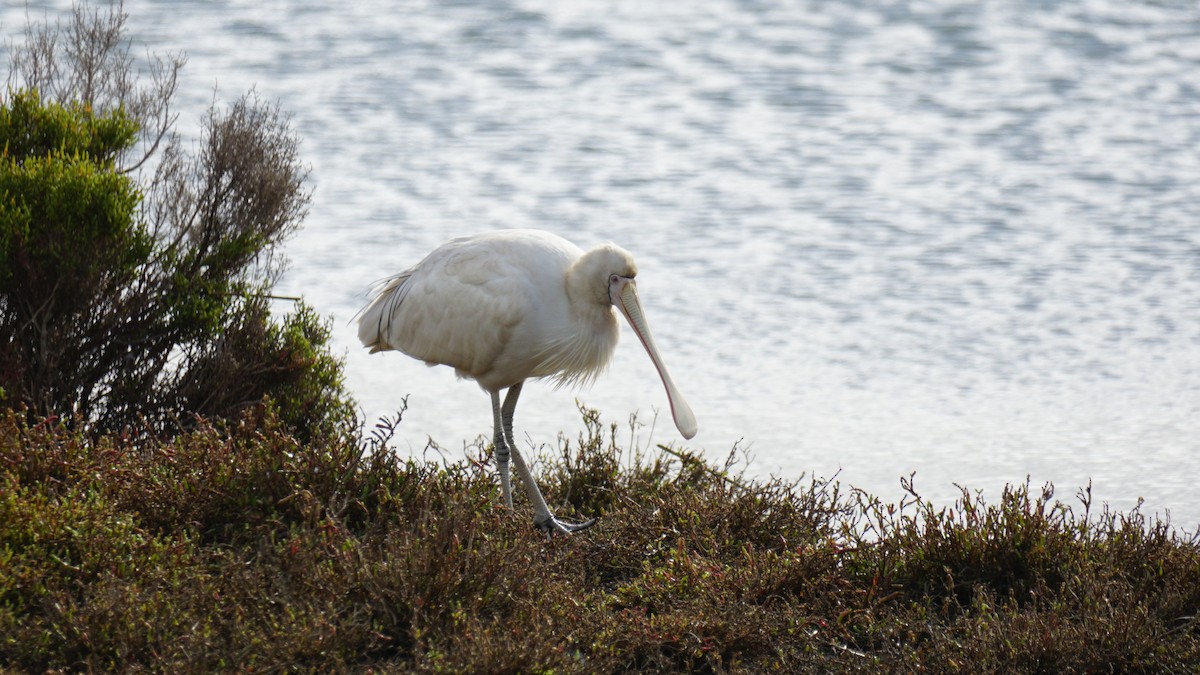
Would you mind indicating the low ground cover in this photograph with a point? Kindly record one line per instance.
(238, 547)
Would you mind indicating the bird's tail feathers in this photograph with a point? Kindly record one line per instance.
(375, 319)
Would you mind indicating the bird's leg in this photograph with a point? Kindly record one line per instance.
(543, 519)
(502, 453)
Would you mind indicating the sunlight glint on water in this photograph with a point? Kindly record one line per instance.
(952, 238)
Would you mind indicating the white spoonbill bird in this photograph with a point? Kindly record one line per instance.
(510, 305)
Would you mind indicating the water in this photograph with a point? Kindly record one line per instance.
(955, 238)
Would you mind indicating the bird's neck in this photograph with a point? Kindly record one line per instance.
(580, 350)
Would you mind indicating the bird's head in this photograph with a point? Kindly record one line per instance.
(602, 273)
(609, 271)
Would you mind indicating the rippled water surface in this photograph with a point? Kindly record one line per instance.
(955, 238)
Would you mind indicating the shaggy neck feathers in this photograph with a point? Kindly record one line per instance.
(582, 353)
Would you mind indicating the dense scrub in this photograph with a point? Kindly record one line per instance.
(244, 548)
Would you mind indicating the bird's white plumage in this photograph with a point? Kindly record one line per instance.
(498, 308)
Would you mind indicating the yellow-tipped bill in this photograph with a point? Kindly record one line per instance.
(631, 307)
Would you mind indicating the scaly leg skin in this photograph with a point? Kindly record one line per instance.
(502, 453)
(542, 519)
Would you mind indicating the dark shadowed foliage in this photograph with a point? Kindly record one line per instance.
(243, 548)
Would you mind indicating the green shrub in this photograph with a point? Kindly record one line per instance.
(30, 128)
(129, 304)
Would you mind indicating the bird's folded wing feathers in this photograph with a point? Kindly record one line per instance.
(458, 310)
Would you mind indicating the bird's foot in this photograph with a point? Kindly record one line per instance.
(552, 526)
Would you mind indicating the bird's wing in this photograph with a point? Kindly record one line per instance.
(458, 307)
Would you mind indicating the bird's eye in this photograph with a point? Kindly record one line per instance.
(612, 279)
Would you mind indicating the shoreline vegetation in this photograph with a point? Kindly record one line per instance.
(235, 546)
(211, 503)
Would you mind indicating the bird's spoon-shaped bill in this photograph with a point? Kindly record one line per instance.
(631, 307)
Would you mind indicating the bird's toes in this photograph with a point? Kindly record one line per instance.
(575, 527)
(552, 526)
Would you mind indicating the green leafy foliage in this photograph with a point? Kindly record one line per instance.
(68, 218)
(30, 128)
